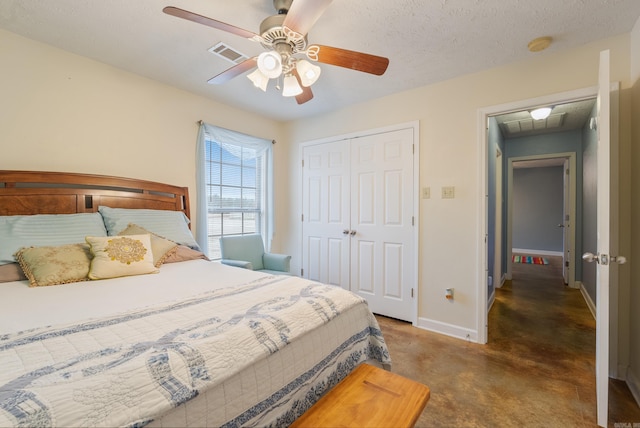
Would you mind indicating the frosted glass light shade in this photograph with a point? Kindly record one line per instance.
(308, 72)
(291, 88)
(270, 64)
(259, 80)
(541, 113)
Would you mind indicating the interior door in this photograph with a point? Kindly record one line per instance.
(325, 211)
(604, 229)
(382, 244)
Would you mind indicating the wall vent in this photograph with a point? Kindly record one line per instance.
(226, 52)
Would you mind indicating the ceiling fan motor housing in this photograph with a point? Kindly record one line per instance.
(275, 37)
(282, 6)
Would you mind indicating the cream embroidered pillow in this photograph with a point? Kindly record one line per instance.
(55, 265)
(115, 256)
(161, 247)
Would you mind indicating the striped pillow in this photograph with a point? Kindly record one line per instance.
(19, 231)
(171, 225)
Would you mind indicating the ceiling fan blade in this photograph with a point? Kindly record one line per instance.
(306, 94)
(303, 14)
(350, 59)
(234, 71)
(190, 16)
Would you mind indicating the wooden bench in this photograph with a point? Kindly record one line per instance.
(368, 397)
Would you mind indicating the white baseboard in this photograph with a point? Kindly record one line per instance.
(448, 330)
(536, 252)
(587, 298)
(634, 385)
(492, 299)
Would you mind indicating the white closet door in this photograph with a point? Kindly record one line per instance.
(382, 243)
(325, 197)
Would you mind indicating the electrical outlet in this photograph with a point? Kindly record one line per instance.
(448, 192)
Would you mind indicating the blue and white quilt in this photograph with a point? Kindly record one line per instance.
(257, 354)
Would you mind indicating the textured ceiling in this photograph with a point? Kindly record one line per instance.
(426, 41)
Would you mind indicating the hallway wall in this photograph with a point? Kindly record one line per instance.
(560, 142)
(538, 206)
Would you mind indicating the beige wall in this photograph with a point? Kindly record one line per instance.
(450, 231)
(64, 112)
(633, 376)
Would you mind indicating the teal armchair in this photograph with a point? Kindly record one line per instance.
(247, 251)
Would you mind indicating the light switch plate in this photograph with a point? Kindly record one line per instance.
(426, 192)
(448, 192)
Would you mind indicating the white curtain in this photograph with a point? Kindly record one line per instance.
(230, 140)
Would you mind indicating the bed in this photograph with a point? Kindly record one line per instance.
(167, 339)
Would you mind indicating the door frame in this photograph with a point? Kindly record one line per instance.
(571, 157)
(566, 207)
(498, 278)
(415, 126)
(483, 115)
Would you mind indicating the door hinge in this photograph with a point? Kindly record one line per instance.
(413, 221)
(301, 272)
(413, 149)
(302, 217)
(303, 163)
(412, 293)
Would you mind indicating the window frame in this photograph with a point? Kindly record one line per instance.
(244, 153)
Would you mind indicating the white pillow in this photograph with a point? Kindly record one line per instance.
(172, 225)
(115, 256)
(19, 231)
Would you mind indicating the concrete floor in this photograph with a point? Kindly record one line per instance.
(537, 369)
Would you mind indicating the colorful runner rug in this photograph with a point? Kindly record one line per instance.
(530, 260)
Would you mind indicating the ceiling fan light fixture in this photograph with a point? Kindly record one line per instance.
(290, 87)
(309, 73)
(270, 64)
(541, 113)
(258, 79)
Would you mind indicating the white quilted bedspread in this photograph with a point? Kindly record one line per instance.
(128, 369)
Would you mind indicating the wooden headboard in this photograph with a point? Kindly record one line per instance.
(37, 192)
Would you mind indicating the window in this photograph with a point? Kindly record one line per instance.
(234, 188)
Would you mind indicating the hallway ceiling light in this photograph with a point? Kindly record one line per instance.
(541, 113)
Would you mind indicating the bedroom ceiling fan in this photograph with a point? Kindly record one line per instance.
(284, 37)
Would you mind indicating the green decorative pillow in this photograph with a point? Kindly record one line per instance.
(55, 265)
(161, 247)
(115, 256)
